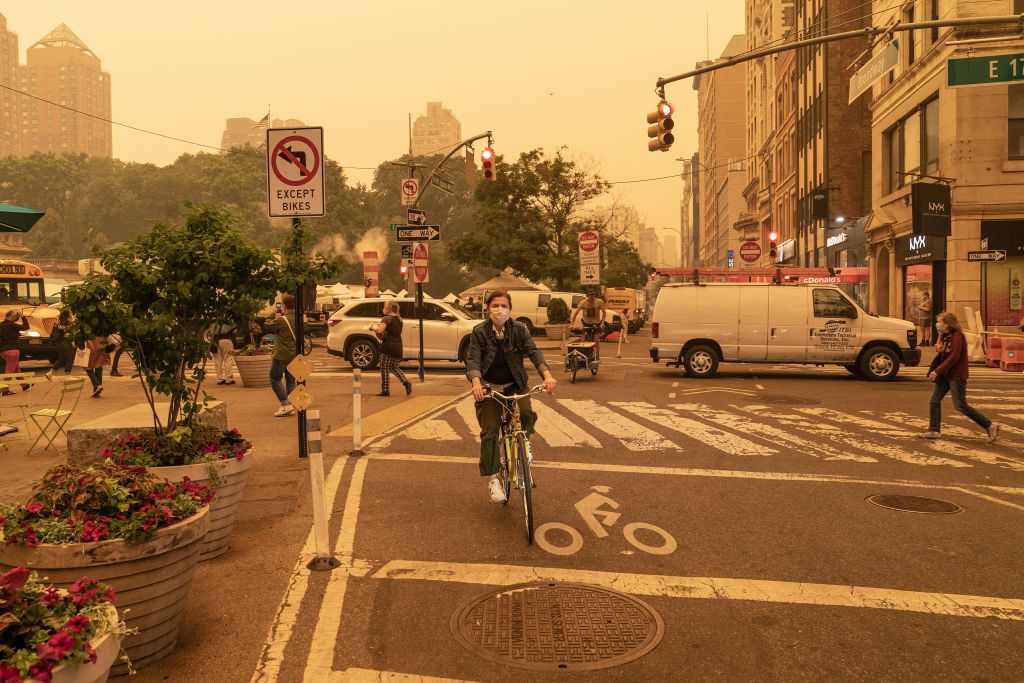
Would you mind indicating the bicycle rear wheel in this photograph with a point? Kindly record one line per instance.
(525, 481)
(503, 473)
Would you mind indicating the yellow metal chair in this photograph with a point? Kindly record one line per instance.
(59, 415)
(20, 398)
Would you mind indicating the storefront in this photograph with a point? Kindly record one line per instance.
(921, 261)
(786, 252)
(846, 246)
(1001, 281)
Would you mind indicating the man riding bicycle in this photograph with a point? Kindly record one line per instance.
(593, 312)
(497, 347)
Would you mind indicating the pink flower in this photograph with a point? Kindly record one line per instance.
(77, 624)
(8, 674)
(41, 672)
(34, 508)
(90, 652)
(14, 580)
(61, 640)
(51, 596)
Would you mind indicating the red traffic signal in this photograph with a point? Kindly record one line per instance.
(773, 251)
(487, 164)
(661, 129)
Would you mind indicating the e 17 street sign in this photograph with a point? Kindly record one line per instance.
(419, 233)
(988, 255)
(987, 70)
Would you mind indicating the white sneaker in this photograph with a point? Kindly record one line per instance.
(930, 435)
(496, 491)
(284, 411)
(993, 432)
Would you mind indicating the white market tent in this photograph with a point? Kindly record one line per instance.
(504, 280)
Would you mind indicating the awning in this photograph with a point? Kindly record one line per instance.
(17, 218)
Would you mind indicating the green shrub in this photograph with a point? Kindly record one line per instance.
(558, 311)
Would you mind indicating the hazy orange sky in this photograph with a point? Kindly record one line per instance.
(538, 74)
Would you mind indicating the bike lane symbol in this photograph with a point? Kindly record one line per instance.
(599, 513)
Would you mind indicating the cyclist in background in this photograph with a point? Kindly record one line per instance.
(592, 310)
(497, 347)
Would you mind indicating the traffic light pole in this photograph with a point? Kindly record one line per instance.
(438, 165)
(869, 32)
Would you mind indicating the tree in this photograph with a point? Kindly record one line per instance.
(623, 266)
(529, 217)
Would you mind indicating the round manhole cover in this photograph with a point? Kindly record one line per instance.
(789, 400)
(932, 506)
(558, 627)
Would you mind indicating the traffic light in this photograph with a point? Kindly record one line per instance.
(661, 129)
(487, 164)
(773, 251)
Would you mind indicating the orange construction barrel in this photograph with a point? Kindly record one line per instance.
(1013, 355)
(994, 354)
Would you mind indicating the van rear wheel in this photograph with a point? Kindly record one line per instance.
(879, 364)
(700, 361)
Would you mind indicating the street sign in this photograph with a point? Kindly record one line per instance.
(410, 191)
(406, 251)
(300, 398)
(750, 251)
(295, 177)
(407, 233)
(590, 273)
(395, 226)
(876, 67)
(987, 70)
(300, 368)
(589, 241)
(443, 185)
(420, 263)
(417, 217)
(988, 255)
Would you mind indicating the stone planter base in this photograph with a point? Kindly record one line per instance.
(107, 648)
(231, 477)
(254, 371)
(152, 579)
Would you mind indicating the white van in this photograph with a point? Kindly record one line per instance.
(530, 307)
(699, 326)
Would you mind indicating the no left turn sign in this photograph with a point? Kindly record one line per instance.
(410, 190)
(295, 179)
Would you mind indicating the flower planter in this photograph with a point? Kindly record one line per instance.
(555, 330)
(254, 371)
(152, 579)
(107, 648)
(229, 478)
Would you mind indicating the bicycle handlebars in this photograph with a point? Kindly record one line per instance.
(514, 397)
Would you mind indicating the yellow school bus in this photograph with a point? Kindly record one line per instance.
(21, 288)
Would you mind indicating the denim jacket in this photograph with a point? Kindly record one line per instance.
(484, 346)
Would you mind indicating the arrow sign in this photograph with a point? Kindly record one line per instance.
(417, 217)
(421, 233)
(989, 255)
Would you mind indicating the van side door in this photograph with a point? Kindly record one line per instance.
(787, 323)
(752, 336)
(716, 317)
(835, 327)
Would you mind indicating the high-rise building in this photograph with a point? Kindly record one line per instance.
(10, 117)
(239, 132)
(689, 214)
(721, 113)
(670, 250)
(438, 130)
(60, 69)
(784, 165)
(650, 246)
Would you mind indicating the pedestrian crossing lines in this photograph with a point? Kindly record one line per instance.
(745, 428)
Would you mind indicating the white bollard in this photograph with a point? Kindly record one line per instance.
(357, 413)
(618, 352)
(323, 560)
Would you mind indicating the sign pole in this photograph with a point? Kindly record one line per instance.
(300, 348)
(419, 315)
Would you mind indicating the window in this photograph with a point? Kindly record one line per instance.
(1018, 6)
(406, 309)
(912, 145)
(432, 311)
(1015, 120)
(543, 300)
(369, 309)
(933, 15)
(908, 18)
(828, 303)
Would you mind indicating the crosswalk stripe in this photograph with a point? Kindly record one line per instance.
(739, 423)
(433, 430)
(466, 409)
(558, 431)
(923, 425)
(633, 435)
(981, 455)
(711, 436)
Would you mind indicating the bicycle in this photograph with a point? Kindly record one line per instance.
(514, 448)
(583, 353)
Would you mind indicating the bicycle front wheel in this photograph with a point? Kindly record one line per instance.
(525, 481)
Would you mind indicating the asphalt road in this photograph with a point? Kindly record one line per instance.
(734, 507)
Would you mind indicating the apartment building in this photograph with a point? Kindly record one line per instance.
(690, 214)
(10, 117)
(435, 133)
(242, 131)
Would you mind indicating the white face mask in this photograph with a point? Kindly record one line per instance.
(499, 314)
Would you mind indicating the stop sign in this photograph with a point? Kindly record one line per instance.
(588, 241)
(750, 251)
(419, 263)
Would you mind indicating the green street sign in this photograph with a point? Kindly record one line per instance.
(987, 70)
(396, 226)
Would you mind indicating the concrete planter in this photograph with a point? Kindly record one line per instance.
(254, 370)
(229, 478)
(107, 647)
(555, 331)
(152, 579)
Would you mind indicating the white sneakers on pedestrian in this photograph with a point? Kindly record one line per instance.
(496, 491)
(284, 411)
(993, 432)
(930, 435)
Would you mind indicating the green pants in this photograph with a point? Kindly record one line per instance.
(488, 414)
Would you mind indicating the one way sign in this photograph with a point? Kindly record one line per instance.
(421, 233)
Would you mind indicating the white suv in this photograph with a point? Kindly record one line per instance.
(446, 329)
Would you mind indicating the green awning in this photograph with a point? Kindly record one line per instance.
(17, 218)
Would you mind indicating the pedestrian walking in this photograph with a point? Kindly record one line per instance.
(282, 326)
(99, 355)
(10, 332)
(65, 351)
(224, 357)
(389, 331)
(949, 371)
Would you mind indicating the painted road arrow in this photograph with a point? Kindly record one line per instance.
(420, 233)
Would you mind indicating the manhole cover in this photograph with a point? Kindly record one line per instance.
(932, 506)
(558, 627)
(789, 400)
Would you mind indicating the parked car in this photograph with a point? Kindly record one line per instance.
(699, 326)
(446, 329)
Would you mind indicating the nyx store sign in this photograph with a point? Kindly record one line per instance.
(920, 249)
(932, 209)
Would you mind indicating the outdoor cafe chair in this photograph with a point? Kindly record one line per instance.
(20, 398)
(50, 421)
